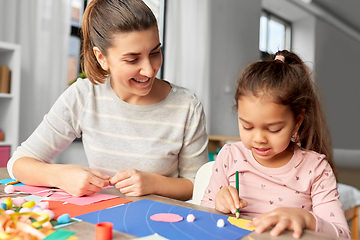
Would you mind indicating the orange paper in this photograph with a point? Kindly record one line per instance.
(59, 207)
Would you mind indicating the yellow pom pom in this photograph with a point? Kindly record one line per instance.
(8, 203)
(28, 204)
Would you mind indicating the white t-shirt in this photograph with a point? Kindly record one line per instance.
(167, 138)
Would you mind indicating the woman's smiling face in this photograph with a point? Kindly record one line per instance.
(133, 62)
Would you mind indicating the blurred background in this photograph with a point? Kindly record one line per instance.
(205, 45)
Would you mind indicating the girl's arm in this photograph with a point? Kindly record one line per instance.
(327, 208)
(219, 177)
(294, 219)
(326, 216)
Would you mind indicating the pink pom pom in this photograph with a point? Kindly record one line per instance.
(9, 189)
(10, 211)
(19, 201)
(50, 213)
(44, 205)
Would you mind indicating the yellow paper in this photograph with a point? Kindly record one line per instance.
(72, 238)
(241, 223)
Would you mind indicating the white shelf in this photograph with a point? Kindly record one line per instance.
(10, 102)
(5, 95)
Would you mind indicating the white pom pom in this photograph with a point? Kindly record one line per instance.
(220, 223)
(24, 209)
(190, 218)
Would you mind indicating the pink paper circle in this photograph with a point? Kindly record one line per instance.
(166, 217)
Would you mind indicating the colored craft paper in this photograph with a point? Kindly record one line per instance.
(241, 223)
(63, 196)
(166, 217)
(59, 207)
(155, 236)
(59, 235)
(42, 191)
(33, 198)
(5, 181)
(57, 225)
(88, 199)
(134, 218)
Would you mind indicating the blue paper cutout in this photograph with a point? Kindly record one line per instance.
(134, 218)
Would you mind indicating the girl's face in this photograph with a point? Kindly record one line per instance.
(266, 129)
(133, 62)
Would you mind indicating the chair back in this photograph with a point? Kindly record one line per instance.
(202, 179)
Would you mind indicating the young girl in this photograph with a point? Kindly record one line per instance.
(286, 170)
(141, 134)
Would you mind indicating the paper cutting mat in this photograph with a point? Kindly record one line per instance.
(134, 218)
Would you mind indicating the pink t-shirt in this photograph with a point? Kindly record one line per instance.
(306, 181)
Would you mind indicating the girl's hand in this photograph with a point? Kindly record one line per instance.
(227, 200)
(78, 180)
(135, 183)
(294, 219)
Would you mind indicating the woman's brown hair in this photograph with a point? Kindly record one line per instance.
(287, 80)
(103, 19)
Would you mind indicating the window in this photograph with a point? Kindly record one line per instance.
(74, 44)
(78, 7)
(275, 34)
(158, 8)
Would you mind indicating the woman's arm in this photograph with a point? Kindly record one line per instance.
(74, 179)
(137, 183)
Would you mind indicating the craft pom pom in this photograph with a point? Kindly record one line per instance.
(24, 210)
(10, 211)
(9, 189)
(28, 204)
(44, 205)
(3, 206)
(8, 203)
(36, 209)
(220, 223)
(190, 218)
(50, 213)
(19, 201)
(65, 218)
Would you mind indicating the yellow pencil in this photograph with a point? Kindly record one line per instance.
(12, 183)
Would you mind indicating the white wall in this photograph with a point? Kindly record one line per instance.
(234, 34)
(332, 51)
(337, 61)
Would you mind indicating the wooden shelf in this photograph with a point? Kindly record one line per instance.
(216, 141)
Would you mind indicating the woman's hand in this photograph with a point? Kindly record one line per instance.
(294, 219)
(135, 183)
(227, 200)
(79, 180)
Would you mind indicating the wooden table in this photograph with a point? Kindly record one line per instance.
(86, 231)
